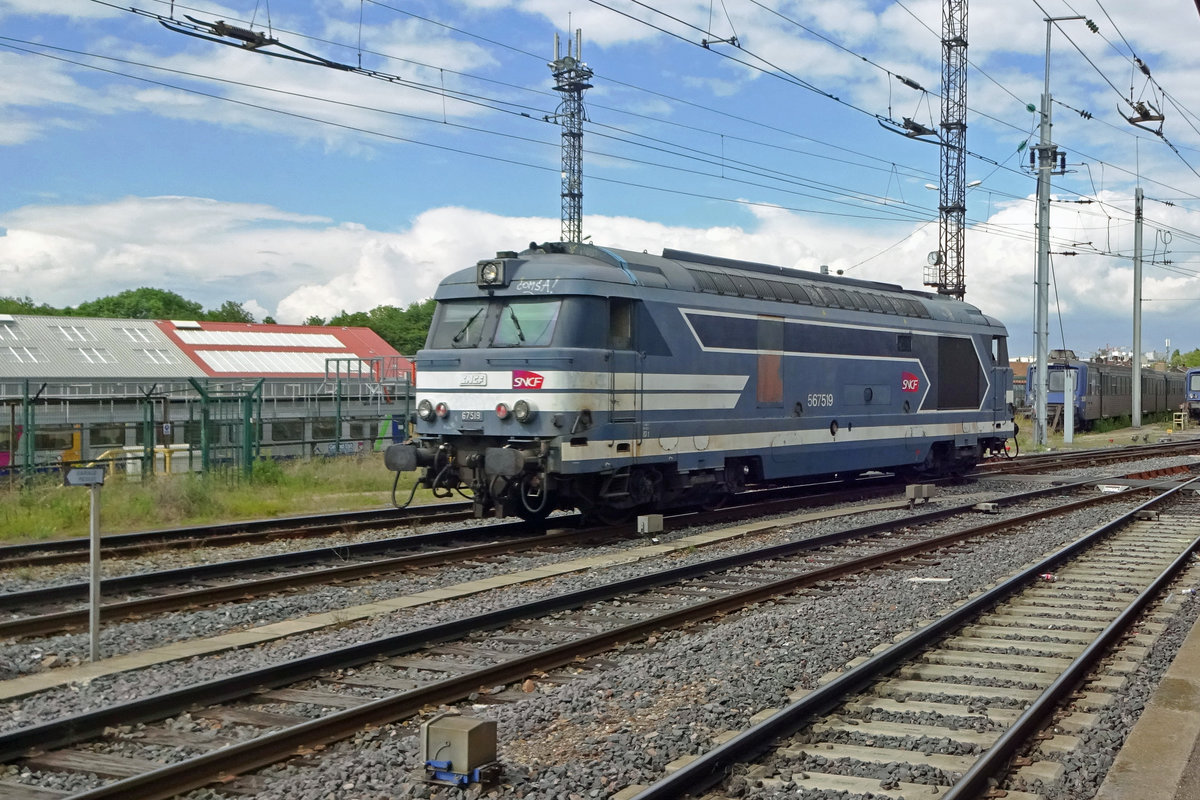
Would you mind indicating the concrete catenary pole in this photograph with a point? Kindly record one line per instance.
(1047, 156)
(1137, 308)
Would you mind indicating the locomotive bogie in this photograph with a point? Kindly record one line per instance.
(607, 380)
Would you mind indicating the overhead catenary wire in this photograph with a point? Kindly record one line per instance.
(773, 145)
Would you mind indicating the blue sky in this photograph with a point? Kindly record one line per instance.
(137, 156)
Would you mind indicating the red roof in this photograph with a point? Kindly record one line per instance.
(250, 349)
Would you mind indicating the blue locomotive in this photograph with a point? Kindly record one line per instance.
(1103, 390)
(576, 376)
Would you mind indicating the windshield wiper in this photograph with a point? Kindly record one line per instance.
(458, 337)
(516, 324)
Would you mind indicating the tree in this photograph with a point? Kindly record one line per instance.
(24, 305)
(143, 303)
(314, 320)
(230, 312)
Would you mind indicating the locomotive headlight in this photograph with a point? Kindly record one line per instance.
(490, 274)
(425, 410)
(442, 410)
(523, 411)
(502, 411)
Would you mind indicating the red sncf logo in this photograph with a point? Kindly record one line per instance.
(523, 379)
(909, 382)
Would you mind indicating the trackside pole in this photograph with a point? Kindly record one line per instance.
(1069, 405)
(93, 478)
(94, 612)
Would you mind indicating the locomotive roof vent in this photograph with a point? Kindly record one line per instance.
(1063, 355)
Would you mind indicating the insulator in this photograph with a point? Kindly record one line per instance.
(223, 28)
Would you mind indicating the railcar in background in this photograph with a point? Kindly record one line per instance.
(575, 376)
(1103, 390)
(1192, 389)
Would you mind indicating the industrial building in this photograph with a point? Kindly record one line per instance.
(180, 395)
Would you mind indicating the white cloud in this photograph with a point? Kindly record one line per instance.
(292, 266)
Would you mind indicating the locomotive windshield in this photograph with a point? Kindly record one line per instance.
(526, 323)
(1056, 380)
(518, 322)
(459, 324)
(1194, 382)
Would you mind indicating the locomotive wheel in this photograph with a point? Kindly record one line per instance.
(533, 502)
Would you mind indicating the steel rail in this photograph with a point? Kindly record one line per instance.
(61, 551)
(212, 595)
(711, 767)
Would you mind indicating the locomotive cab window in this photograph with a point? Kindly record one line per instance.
(458, 323)
(1000, 351)
(527, 323)
(630, 327)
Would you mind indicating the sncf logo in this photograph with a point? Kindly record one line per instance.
(523, 379)
(909, 382)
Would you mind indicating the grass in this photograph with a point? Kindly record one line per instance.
(1105, 433)
(48, 510)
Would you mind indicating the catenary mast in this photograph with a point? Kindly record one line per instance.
(571, 78)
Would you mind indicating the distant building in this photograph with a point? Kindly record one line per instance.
(172, 392)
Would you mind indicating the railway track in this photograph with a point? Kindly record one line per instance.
(394, 677)
(123, 545)
(47, 610)
(966, 704)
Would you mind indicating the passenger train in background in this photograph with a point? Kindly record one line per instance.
(1192, 388)
(576, 376)
(1104, 391)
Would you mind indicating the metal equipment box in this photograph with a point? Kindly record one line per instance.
(457, 749)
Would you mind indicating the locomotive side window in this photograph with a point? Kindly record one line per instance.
(527, 323)
(458, 323)
(904, 342)
(630, 327)
(1000, 351)
(620, 324)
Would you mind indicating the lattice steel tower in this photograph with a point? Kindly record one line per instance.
(945, 270)
(571, 77)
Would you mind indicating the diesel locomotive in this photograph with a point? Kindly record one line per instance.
(576, 376)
